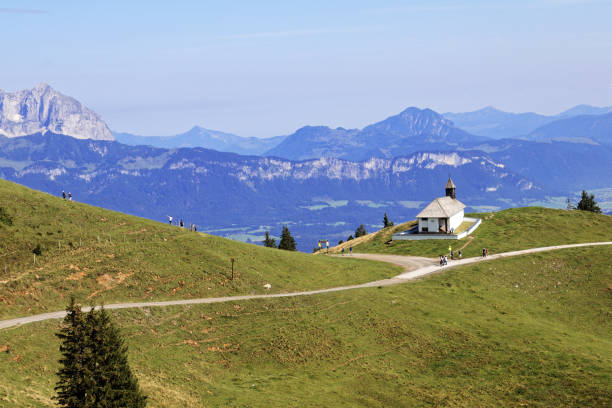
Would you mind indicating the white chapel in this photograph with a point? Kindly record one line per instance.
(443, 215)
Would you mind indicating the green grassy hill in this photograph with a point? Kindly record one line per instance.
(102, 256)
(507, 230)
(527, 331)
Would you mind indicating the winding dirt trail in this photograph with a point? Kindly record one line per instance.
(415, 267)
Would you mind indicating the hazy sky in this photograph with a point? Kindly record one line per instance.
(265, 68)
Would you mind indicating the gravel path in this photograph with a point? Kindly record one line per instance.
(415, 267)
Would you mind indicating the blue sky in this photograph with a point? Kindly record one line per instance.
(265, 68)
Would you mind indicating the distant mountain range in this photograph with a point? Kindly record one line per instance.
(326, 197)
(323, 182)
(43, 109)
(498, 124)
(410, 131)
(201, 137)
(584, 128)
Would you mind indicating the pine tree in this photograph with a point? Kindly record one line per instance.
(587, 203)
(360, 231)
(114, 384)
(268, 241)
(95, 370)
(387, 222)
(287, 242)
(74, 380)
(350, 238)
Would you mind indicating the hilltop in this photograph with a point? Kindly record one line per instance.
(502, 231)
(102, 256)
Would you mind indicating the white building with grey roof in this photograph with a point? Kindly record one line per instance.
(443, 215)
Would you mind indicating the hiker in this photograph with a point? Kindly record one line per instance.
(181, 223)
(459, 254)
(351, 250)
(169, 219)
(327, 246)
(195, 229)
(342, 251)
(452, 255)
(484, 252)
(69, 196)
(441, 261)
(445, 260)
(64, 194)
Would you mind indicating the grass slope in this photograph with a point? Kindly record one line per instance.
(526, 331)
(102, 256)
(507, 230)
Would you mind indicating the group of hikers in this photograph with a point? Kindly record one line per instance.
(444, 258)
(69, 195)
(350, 250)
(180, 223)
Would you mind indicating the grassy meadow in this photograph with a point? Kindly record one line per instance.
(527, 331)
(102, 256)
(503, 231)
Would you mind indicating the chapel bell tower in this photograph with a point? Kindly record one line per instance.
(450, 189)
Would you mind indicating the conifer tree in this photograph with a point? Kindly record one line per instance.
(287, 242)
(387, 222)
(587, 203)
(73, 380)
(114, 384)
(360, 231)
(268, 241)
(95, 370)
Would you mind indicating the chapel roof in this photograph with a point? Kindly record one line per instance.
(443, 207)
(450, 184)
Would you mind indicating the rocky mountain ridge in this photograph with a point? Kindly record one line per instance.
(43, 109)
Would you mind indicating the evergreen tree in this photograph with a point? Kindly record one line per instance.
(94, 368)
(268, 241)
(114, 385)
(350, 238)
(287, 242)
(387, 222)
(74, 380)
(340, 242)
(587, 203)
(360, 231)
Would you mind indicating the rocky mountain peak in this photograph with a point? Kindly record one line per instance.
(43, 109)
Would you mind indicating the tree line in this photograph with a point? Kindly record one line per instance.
(287, 242)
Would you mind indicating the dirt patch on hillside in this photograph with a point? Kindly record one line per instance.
(108, 281)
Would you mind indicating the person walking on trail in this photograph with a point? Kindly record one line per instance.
(169, 219)
(459, 254)
(441, 260)
(69, 196)
(351, 250)
(327, 246)
(342, 251)
(445, 260)
(484, 252)
(181, 223)
(63, 194)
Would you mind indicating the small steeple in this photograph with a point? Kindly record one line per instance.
(450, 189)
